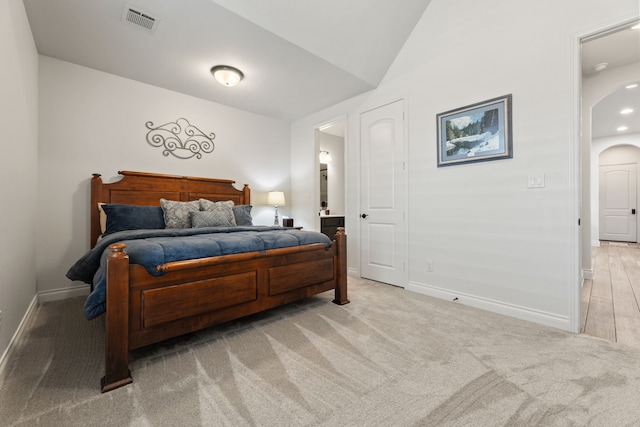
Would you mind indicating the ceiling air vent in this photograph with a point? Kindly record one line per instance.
(139, 19)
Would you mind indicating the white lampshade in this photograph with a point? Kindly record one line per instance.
(226, 75)
(275, 198)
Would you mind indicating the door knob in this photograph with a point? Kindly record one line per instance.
(633, 211)
(364, 216)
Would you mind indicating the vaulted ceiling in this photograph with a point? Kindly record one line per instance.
(298, 56)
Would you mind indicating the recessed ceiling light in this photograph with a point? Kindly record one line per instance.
(626, 111)
(631, 86)
(601, 66)
(636, 27)
(622, 128)
(227, 75)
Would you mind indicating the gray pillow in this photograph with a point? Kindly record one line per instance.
(225, 210)
(176, 214)
(242, 213)
(210, 219)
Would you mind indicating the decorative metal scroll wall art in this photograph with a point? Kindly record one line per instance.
(181, 139)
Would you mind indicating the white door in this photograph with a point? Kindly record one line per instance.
(383, 194)
(618, 203)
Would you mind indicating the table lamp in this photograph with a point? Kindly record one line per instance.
(276, 198)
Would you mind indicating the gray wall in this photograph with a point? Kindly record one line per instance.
(18, 168)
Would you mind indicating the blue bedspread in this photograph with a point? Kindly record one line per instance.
(151, 248)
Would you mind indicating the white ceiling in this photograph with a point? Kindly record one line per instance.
(617, 48)
(298, 56)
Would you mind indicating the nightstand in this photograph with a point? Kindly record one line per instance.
(329, 224)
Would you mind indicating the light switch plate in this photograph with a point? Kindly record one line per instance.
(535, 181)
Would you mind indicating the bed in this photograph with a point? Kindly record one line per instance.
(143, 307)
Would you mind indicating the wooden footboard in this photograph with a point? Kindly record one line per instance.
(195, 294)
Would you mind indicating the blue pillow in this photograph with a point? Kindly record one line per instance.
(243, 214)
(131, 217)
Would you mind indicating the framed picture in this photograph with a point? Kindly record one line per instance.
(475, 133)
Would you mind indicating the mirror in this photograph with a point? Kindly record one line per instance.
(332, 168)
(324, 201)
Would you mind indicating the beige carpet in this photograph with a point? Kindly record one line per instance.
(390, 358)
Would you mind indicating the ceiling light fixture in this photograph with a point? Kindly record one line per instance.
(601, 66)
(631, 86)
(636, 27)
(626, 111)
(227, 75)
(622, 128)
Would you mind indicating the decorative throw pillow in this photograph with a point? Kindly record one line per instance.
(120, 217)
(224, 208)
(210, 219)
(242, 213)
(176, 214)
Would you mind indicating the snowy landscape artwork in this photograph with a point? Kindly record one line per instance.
(477, 132)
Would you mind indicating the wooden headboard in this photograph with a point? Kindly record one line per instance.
(143, 188)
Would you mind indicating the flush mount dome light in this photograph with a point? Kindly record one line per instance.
(227, 75)
(601, 66)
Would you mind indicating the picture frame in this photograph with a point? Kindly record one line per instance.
(475, 133)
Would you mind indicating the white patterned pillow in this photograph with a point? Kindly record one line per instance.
(176, 214)
(225, 210)
(210, 219)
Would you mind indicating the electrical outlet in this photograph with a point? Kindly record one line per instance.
(429, 266)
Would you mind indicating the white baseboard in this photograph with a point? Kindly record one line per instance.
(353, 272)
(595, 243)
(21, 328)
(64, 293)
(524, 313)
(587, 273)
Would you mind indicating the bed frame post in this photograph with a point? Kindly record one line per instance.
(246, 194)
(117, 320)
(341, 268)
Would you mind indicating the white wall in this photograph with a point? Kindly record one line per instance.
(623, 149)
(494, 243)
(92, 121)
(18, 168)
